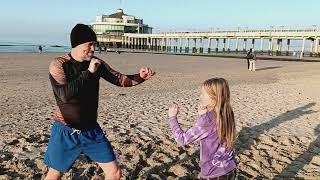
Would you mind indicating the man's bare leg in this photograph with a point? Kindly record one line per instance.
(111, 170)
(53, 175)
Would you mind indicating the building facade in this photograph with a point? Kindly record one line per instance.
(110, 29)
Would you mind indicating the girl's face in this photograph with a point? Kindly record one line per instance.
(205, 99)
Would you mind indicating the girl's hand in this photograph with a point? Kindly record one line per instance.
(173, 111)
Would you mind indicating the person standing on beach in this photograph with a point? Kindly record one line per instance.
(252, 61)
(75, 83)
(40, 49)
(215, 129)
(248, 57)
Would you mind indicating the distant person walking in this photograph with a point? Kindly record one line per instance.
(252, 61)
(249, 56)
(294, 53)
(40, 49)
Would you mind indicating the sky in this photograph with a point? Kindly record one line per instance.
(50, 21)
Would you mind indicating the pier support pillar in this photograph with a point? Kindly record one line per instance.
(155, 44)
(288, 47)
(279, 47)
(311, 47)
(209, 45)
(124, 45)
(167, 45)
(122, 42)
(129, 43)
(194, 48)
(164, 45)
(158, 48)
(146, 45)
(253, 43)
(303, 47)
(217, 45)
(187, 46)
(201, 45)
(135, 43)
(316, 50)
(224, 45)
(143, 42)
(176, 45)
(237, 45)
(245, 45)
(271, 46)
(261, 45)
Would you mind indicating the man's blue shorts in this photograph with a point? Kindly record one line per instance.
(66, 145)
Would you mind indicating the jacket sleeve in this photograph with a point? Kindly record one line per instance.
(66, 91)
(200, 130)
(117, 78)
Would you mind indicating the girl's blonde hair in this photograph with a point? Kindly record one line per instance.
(218, 91)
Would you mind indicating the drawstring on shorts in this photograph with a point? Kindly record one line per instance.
(75, 131)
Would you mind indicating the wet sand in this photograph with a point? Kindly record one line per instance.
(276, 110)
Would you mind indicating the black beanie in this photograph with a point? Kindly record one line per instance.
(81, 34)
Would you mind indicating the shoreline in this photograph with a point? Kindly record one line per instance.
(219, 55)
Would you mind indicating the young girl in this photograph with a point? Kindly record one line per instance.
(215, 129)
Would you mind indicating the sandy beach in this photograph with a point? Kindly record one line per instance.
(276, 110)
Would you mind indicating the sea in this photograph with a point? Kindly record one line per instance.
(29, 47)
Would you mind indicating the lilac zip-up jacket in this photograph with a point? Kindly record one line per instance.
(215, 159)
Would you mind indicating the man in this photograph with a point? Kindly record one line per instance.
(75, 82)
(249, 56)
(252, 61)
(40, 49)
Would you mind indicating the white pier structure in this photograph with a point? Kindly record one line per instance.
(193, 42)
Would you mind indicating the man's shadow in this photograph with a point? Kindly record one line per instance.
(304, 159)
(266, 68)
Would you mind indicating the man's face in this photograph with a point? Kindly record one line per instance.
(86, 50)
